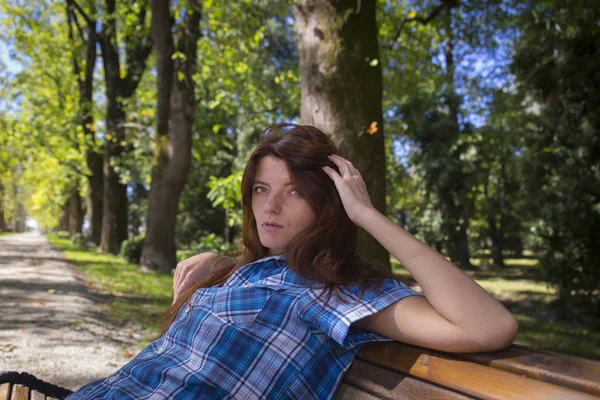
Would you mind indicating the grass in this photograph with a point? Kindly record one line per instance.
(140, 298)
(132, 296)
(6, 233)
(533, 303)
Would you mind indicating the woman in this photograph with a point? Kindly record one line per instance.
(286, 319)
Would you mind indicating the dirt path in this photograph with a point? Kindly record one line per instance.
(50, 325)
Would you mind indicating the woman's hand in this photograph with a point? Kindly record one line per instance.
(351, 187)
(190, 271)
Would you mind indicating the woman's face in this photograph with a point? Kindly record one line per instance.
(280, 211)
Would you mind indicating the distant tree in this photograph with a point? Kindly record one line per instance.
(176, 60)
(556, 65)
(83, 38)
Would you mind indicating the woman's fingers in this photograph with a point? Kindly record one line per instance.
(350, 186)
(332, 173)
(345, 167)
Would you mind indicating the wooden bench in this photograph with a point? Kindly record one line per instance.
(18, 392)
(400, 371)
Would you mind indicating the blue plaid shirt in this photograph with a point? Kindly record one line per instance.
(260, 335)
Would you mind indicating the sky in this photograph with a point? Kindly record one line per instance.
(4, 56)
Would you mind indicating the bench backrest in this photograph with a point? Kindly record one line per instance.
(400, 371)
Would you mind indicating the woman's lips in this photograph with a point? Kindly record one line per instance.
(272, 227)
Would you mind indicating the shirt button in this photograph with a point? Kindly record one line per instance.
(111, 379)
(187, 309)
(159, 351)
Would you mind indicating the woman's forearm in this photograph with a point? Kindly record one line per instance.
(451, 293)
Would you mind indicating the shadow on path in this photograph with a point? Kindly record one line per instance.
(51, 325)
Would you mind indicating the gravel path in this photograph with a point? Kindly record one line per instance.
(50, 325)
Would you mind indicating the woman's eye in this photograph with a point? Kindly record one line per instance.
(295, 192)
(260, 189)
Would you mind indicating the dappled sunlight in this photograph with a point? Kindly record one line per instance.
(531, 300)
(133, 296)
(515, 287)
(576, 341)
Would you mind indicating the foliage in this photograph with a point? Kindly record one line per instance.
(248, 79)
(131, 249)
(226, 193)
(45, 148)
(213, 243)
(78, 239)
(62, 234)
(556, 64)
(505, 139)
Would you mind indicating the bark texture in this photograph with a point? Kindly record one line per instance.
(119, 89)
(175, 116)
(342, 89)
(85, 75)
(75, 212)
(3, 226)
(455, 205)
(95, 194)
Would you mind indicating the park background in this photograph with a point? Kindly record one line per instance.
(125, 125)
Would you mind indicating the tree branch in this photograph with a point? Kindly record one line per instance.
(73, 167)
(83, 14)
(76, 68)
(136, 125)
(137, 54)
(74, 18)
(422, 20)
(162, 25)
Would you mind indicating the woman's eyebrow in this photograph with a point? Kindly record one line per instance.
(257, 181)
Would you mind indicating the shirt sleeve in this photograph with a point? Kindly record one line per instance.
(335, 318)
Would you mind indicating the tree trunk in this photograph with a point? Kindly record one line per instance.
(3, 226)
(497, 257)
(495, 235)
(456, 215)
(95, 195)
(75, 212)
(63, 224)
(113, 206)
(175, 115)
(93, 155)
(85, 80)
(341, 86)
(118, 90)
(456, 245)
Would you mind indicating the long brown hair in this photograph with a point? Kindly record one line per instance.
(326, 251)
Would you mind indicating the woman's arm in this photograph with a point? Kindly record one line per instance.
(457, 314)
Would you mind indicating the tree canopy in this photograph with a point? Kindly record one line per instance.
(476, 122)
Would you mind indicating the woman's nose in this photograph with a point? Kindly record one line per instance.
(273, 204)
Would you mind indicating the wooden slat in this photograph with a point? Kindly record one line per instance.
(5, 391)
(37, 396)
(20, 392)
(463, 376)
(563, 370)
(348, 392)
(386, 384)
